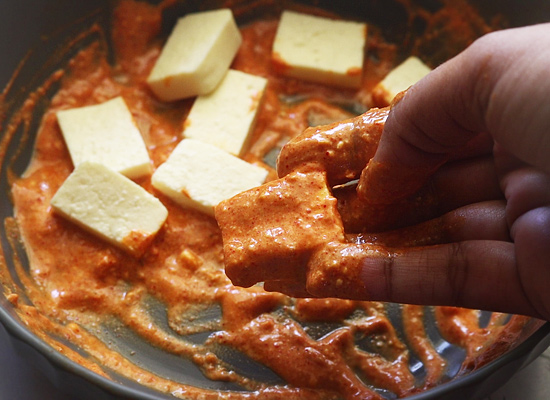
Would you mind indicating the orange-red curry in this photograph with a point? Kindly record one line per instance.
(77, 282)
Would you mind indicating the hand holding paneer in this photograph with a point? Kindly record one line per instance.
(499, 86)
(452, 208)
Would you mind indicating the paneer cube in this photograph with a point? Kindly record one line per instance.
(110, 206)
(200, 175)
(107, 134)
(399, 79)
(226, 116)
(320, 49)
(196, 56)
(270, 232)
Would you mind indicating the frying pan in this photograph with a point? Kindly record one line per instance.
(31, 34)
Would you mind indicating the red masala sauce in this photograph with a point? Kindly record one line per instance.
(78, 283)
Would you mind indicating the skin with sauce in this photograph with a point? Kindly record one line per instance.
(77, 282)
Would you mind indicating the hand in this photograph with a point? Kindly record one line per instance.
(501, 257)
(452, 208)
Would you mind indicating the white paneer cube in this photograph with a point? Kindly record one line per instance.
(226, 116)
(399, 79)
(110, 206)
(320, 49)
(196, 56)
(107, 134)
(200, 175)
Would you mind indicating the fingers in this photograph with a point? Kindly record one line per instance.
(474, 274)
(466, 182)
(531, 233)
(455, 185)
(527, 191)
(525, 187)
(480, 221)
(477, 274)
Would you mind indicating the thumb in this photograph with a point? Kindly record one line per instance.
(498, 85)
(426, 124)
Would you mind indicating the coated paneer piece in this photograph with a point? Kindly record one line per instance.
(271, 231)
(342, 149)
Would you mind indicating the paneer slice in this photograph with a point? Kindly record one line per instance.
(320, 49)
(270, 232)
(196, 56)
(200, 175)
(399, 79)
(111, 206)
(107, 134)
(226, 116)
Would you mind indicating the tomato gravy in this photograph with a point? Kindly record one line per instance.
(77, 283)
